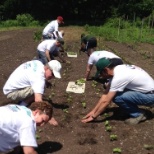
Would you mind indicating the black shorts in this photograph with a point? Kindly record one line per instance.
(91, 43)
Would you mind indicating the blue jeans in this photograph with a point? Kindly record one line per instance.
(42, 57)
(129, 101)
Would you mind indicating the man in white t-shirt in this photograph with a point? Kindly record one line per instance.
(27, 83)
(129, 87)
(48, 49)
(96, 55)
(51, 27)
(18, 126)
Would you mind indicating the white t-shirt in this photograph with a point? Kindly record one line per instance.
(17, 127)
(96, 55)
(48, 45)
(51, 27)
(131, 77)
(27, 74)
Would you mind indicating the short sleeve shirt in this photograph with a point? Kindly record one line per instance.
(95, 56)
(15, 131)
(29, 74)
(131, 77)
(51, 27)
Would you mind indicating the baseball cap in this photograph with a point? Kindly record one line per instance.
(101, 64)
(60, 18)
(55, 66)
(60, 40)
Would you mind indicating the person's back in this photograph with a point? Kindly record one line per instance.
(27, 74)
(96, 55)
(86, 38)
(51, 27)
(134, 78)
(14, 121)
(47, 45)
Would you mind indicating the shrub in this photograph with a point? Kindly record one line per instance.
(24, 19)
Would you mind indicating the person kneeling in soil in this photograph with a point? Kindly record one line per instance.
(27, 83)
(96, 55)
(18, 126)
(48, 49)
(88, 43)
(129, 87)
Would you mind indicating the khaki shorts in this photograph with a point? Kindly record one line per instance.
(21, 94)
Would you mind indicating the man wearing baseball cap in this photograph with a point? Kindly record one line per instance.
(129, 87)
(48, 31)
(27, 82)
(48, 49)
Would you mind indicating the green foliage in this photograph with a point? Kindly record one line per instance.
(124, 31)
(24, 19)
(9, 23)
(37, 35)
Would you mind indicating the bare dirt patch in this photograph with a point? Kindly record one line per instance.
(72, 136)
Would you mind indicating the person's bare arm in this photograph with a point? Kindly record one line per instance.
(47, 55)
(38, 97)
(29, 150)
(59, 55)
(100, 107)
(89, 68)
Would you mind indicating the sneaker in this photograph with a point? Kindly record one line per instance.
(133, 121)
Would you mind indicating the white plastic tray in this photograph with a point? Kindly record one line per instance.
(72, 87)
(70, 55)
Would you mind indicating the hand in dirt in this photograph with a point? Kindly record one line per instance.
(88, 119)
(53, 122)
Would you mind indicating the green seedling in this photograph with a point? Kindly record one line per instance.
(80, 81)
(37, 136)
(113, 137)
(53, 94)
(148, 147)
(108, 128)
(117, 150)
(49, 97)
(93, 85)
(84, 104)
(40, 130)
(106, 115)
(69, 100)
(71, 53)
(65, 110)
(106, 123)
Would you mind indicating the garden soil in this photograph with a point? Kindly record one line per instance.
(72, 136)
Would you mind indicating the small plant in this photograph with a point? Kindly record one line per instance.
(71, 53)
(117, 150)
(106, 123)
(65, 110)
(37, 136)
(106, 115)
(108, 128)
(148, 147)
(113, 137)
(80, 81)
(83, 104)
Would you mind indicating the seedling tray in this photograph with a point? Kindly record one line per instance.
(72, 54)
(74, 88)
